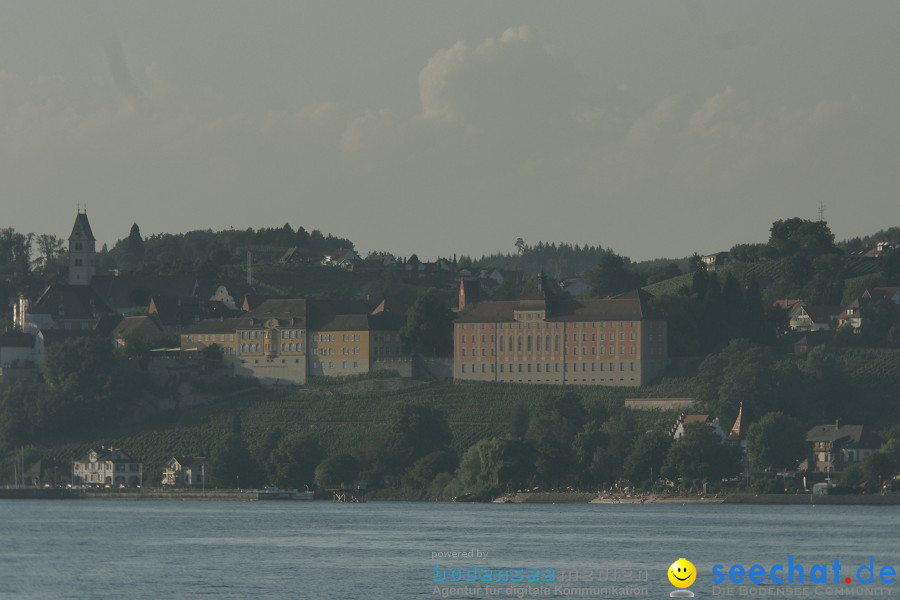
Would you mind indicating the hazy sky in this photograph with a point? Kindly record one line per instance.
(654, 128)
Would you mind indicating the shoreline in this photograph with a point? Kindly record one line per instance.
(549, 498)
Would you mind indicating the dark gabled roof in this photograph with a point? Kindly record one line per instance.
(107, 324)
(822, 314)
(136, 290)
(129, 324)
(386, 321)
(832, 433)
(188, 462)
(16, 339)
(630, 306)
(288, 312)
(108, 454)
(81, 231)
(76, 301)
(54, 336)
(357, 322)
(217, 326)
(254, 301)
(391, 306)
(175, 310)
(329, 315)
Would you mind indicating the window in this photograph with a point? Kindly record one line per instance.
(519, 344)
(482, 351)
(482, 338)
(547, 344)
(77, 262)
(520, 367)
(502, 343)
(538, 343)
(556, 343)
(462, 338)
(529, 343)
(464, 368)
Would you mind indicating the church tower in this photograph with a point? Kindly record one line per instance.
(81, 251)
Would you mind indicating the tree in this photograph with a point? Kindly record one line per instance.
(15, 254)
(775, 441)
(647, 456)
(611, 276)
(339, 471)
(51, 250)
(430, 466)
(134, 245)
(82, 379)
(414, 430)
(700, 454)
(293, 461)
(230, 462)
(877, 467)
(429, 326)
(794, 236)
(494, 465)
(590, 451)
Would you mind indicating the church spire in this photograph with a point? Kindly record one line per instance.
(81, 251)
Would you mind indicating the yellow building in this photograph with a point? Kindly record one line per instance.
(203, 334)
(275, 344)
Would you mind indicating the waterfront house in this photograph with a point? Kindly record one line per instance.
(833, 447)
(107, 467)
(185, 471)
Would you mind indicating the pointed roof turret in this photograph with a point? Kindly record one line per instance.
(81, 231)
(739, 429)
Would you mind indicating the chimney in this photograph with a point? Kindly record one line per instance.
(837, 424)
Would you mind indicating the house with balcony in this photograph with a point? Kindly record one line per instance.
(833, 447)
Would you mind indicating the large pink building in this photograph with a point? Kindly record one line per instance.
(541, 338)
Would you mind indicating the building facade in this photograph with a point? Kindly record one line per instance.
(289, 340)
(544, 339)
(107, 467)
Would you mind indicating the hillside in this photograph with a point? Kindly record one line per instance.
(344, 417)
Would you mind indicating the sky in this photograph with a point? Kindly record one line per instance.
(655, 128)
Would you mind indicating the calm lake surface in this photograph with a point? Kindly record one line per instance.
(227, 549)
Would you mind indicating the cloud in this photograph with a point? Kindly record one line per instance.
(511, 79)
(119, 71)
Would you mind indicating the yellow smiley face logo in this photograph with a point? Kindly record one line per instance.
(682, 573)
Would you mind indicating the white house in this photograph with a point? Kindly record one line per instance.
(107, 467)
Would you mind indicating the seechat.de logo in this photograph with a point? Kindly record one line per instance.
(682, 574)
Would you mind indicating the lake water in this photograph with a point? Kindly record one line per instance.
(227, 549)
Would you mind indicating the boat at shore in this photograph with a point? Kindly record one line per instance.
(272, 493)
